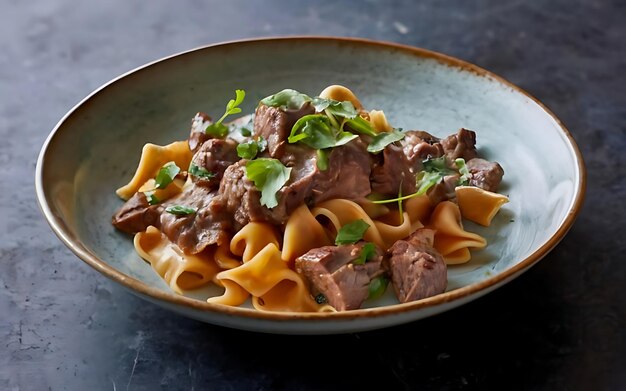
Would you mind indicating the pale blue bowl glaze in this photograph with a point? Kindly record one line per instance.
(95, 149)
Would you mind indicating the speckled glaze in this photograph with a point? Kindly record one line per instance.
(95, 148)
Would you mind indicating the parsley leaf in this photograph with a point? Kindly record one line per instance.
(287, 99)
(438, 165)
(426, 180)
(361, 125)
(367, 252)
(218, 129)
(343, 109)
(351, 232)
(166, 175)
(250, 149)
(200, 172)
(464, 171)
(377, 287)
(316, 131)
(268, 175)
(180, 210)
(382, 139)
(322, 159)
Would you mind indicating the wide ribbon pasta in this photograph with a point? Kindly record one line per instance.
(451, 240)
(180, 271)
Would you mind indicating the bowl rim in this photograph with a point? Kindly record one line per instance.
(137, 286)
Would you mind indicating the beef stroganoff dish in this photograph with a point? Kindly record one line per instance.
(309, 204)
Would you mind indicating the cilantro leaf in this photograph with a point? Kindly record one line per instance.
(361, 125)
(351, 232)
(464, 171)
(250, 149)
(367, 252)
(377, 287)
(316, 131)
(343, 109)
(287, 99)
(426, 180)
(218, 129)
(200, 172)
(181, 210)
(166, 175)
(268, 175)
(438, 165)
(382, 139)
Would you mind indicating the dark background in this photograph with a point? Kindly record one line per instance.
(560, 326)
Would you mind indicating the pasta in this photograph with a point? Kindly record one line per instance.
(285, 229)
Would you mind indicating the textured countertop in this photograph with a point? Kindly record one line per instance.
(562, 325)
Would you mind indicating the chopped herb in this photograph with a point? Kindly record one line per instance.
(218, 129)
(152, 199)
(382, 139)
(426, 180)
(250, 149)
(361, 125)
(511, 221)
(316, 131)
(321, 299)
(268, 175)
(333, 107)
(437, 165)
(246, 132)
(377, 287)
(351, 232)
(287, 99)
(464, 171)
(322, 159)
(166, 175)
(367, 253)
(200, 172)
(180, 210)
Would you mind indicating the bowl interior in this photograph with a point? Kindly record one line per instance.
(96, 148)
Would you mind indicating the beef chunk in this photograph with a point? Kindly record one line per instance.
(215, 155)
(274, 125)
(347, 175)
(419, 146)
(330, 271)
(197, 136)
(417, 269)
(136, 215)
(391, 170)
(194, 232)
(460, 145)
(485, 174)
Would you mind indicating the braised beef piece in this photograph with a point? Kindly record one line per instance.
(330, 271)
(347, 176)
(194, 232)
(239, 197)
(348, 165)
(136, 214)
(419, 146)
(444, 190)
(460, 145)
(484, 174)
(214, 156)
(274, 125)
(390, 171)
(197, 135)
(417, 269)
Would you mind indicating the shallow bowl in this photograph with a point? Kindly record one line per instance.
(94, 149)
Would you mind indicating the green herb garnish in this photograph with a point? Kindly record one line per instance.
(377, 287)
(166, 175)
(382, 139)
(268, 175)
(287, 99)
(316, 131)
(200, 172)
(250, 149)
(361, 125)
(351, 232)
(180, 210)
(152, 199)
(367, 253)
(321, 299)
(464, 171)
(322, 159)
(333, 107)
(218, 129)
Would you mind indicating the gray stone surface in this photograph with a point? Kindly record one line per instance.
(560, 326)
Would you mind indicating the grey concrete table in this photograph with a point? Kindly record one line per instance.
(560, 326)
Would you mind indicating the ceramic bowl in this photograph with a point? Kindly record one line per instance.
(94, 149)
